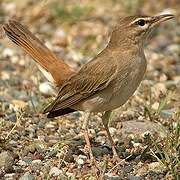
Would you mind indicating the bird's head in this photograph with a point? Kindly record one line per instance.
(137, 28)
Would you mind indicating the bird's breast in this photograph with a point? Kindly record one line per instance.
(117, 92)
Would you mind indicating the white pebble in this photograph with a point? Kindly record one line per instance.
(36, 161)
(55, 171)
(155, 106)
(80, 161)
(7, 52)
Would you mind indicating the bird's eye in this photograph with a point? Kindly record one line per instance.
(141, 22)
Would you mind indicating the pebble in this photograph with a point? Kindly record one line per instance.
(14, 59)
(54, 171)
(155, 166)
(168, 113)
(100, 151)
(80, 161)
(60, 38)
(22, 163)
(177, 79)
(7, 52)
(27, 176)
(135, 144)
(11, 117)
(127, 169)
(6, 161)
(112, 177)
(31, 148)
(36, 161)
(10, 176)
(5, 75)
(134, 178)
(138, 127)
(155, 106)
(13, 143)
(159, 88)
(69, 156)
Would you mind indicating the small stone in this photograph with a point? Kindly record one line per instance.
(174, 47)
(156, 166)
(159, 88)
(50, 125)
(128, 168)
(10, 176)
(100, 151)
(38, 156)
(5, 75)
(134, 127)
(27, 176)
(168, 113)
(36, 161)
(54, 171)
(83, 157)
(14, 59)
(7, 52)
(13, 143)
(11, 117)
(6, 161)
(136, 144)
(80, 161)
(170, 84)
(69, 156)
(60, 38)
(21, 163)
(155, 106)
(31, 148)
(53, 153)
(27, 160)
(134, 178)
(112, 177)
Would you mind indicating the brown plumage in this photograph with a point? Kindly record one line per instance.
(50, 64)
(118, 70)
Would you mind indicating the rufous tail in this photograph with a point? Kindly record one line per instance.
(54, 69)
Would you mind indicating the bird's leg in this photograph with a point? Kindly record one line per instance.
(86, 135)
(105, 120)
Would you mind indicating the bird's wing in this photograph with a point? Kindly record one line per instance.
(92, 77)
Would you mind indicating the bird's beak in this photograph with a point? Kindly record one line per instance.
(156, 20)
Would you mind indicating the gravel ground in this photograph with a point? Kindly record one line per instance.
(146, 129)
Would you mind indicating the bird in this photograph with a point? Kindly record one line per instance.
(110, 78)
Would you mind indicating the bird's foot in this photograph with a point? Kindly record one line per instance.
(116, 158)
(93, 162)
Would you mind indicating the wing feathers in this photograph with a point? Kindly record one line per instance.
(80, 87)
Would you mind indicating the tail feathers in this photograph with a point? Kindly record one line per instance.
(39, 52)
(60, 112)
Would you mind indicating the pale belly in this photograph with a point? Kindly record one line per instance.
(114, 95)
